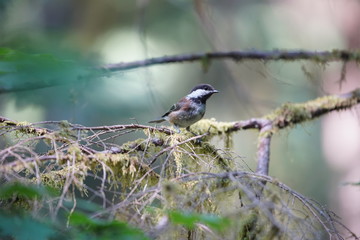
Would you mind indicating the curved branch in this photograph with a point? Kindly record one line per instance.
(326, 218)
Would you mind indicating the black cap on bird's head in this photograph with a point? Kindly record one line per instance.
(202, 92)
(206, 87)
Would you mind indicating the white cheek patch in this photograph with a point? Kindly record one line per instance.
(197, 93)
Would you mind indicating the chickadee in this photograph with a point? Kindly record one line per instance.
(189, 109)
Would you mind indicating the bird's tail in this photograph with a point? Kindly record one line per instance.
(157, 120)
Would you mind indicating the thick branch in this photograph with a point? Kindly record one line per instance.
(325, 56)
(263, 154)
(288, 115)
(24, 127)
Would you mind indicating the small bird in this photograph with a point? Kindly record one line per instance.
(189, 109)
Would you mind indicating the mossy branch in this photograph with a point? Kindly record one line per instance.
(188, 174)
(289, 115)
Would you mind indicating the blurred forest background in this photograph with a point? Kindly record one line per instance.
(62, 40)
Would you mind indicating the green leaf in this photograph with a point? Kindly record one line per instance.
(184, 218)
(26, 191)
(24, 228)
(83, 205)
(190, 219)
(214, 222)
(103, 229)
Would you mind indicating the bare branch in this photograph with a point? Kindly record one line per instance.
(275, 55)
(263, 153)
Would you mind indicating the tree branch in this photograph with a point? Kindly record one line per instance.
(287, 115)
(275, 55)
(123, 127)
(204, 58)
(290, 114)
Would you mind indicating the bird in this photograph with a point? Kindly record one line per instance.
(189, 109)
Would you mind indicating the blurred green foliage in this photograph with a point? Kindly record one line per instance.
(21, 224)
(21, 190)
(189, 220)
(24, 227)
(21, 71)
(88, 228)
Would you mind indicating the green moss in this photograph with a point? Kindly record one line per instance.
(173, 194)
(126, 168)
(74, 151)
(24, 128)
(247, 228)
(211, 126)
(54, 179)
(292, 113)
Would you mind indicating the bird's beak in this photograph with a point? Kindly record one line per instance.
(215, 91)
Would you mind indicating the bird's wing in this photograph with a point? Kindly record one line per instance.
(175, 107)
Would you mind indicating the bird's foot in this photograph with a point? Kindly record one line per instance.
(198, 140)
(188, 129)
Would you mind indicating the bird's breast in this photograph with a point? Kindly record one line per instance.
(188, 115)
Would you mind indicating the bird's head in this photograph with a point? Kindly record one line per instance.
(202, 92)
